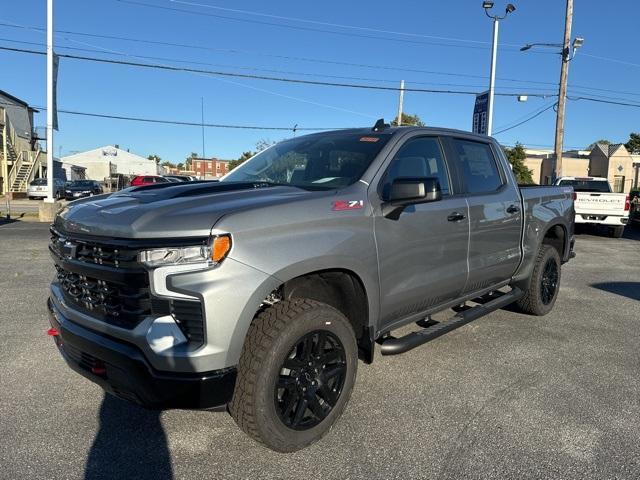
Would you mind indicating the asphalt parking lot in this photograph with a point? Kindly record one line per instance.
(508, 396)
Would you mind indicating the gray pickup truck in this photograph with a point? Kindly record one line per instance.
(259, 293)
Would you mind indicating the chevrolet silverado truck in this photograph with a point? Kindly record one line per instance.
(259, 293)
(596, 204)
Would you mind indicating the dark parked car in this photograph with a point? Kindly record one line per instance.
(178, 178)
(81, 188)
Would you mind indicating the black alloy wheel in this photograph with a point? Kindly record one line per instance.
(311, 380)
(549, 282)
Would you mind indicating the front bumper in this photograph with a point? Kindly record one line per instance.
(120, 368)
(76, 195)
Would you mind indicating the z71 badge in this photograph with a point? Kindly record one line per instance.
(341, 205)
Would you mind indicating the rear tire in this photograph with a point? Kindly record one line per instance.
(295, 376)
(543, 289)
(616, 232)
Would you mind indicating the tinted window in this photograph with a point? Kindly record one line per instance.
(39, 182)
(477, 166)
(320, 161)
(82, 183)
(587, 185)
(420, 157)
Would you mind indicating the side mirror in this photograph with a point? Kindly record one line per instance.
(406, 191)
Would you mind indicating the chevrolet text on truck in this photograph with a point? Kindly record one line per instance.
(595, 203)
(259, 293)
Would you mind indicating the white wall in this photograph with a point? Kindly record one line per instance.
(123, 162)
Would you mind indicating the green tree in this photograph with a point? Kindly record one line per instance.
(603, 141)
(155, 158)
(633, 145)
(408, 119)
(189, 160)
(240, 160)
(516, 157)
(260, 146)
(168, 164)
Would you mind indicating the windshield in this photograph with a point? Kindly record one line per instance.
(587, 185)
(39, 182)
(323, 161)
(81, 183)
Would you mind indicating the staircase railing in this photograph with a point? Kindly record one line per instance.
(14, 173)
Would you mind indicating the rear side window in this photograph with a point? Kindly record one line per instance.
(587, 185)
(420, 157)
(477, 166)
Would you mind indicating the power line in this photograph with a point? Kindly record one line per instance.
(261, 77)
(256, 69)
(297, 27)
(300, 81)
(301, 59)
(184, 123)
(329, 24)
(526, 120)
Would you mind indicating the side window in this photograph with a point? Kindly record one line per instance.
(420, 157)
(477, 166)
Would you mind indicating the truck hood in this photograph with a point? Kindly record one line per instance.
(168, 209)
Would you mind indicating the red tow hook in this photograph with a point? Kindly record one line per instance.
(99, 369)
(53, 332)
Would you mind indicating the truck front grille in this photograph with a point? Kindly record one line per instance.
(105, 281)
(119, 305)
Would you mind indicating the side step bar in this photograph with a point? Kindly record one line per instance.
(395, 346)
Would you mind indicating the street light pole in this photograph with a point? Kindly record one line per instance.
(50, 112)
(562, 94)
(488, 5)
(492, 75)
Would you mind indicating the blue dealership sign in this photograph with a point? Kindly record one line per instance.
(480, 113)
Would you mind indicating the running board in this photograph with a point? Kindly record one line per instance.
(395, 346)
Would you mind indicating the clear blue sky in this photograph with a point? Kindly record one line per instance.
(609, 31)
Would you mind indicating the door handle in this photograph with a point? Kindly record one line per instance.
(513, 209)
(456, 217)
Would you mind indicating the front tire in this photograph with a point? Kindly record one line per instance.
(541, 295)
(295, 376)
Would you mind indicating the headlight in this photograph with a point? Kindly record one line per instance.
(211, 254)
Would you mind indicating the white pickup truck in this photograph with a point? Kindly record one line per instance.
(596, 204)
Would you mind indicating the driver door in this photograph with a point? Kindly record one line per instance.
(422, 255)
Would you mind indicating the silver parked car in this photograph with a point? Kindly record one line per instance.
(39, 189)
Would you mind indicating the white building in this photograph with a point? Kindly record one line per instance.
(107, 161)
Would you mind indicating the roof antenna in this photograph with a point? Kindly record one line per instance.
(380, 125)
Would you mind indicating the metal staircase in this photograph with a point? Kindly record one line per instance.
(18, 160)
(23, 170)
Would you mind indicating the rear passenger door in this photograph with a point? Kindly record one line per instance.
(495, 217)
(422, 254)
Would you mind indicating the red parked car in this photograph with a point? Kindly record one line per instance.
(140, 180)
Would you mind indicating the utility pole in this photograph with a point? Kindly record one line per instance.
(562, 94)
(492, 75)
(50, 94)
(400, 102)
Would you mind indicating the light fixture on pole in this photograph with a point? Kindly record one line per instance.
(568, 52)
(488, 5)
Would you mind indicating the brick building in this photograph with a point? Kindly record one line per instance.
(209, 167)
